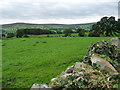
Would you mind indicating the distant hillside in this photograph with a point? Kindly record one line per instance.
(15, 26)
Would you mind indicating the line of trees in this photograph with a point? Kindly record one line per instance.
(22, 32)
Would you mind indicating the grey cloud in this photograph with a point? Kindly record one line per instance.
(55, 10)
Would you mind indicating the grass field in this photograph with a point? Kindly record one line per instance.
(37, 60)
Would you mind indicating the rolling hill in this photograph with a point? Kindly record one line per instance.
(6, 28)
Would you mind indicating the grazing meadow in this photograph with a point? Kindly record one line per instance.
(26, 61)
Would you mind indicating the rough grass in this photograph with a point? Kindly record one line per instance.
(37, 60)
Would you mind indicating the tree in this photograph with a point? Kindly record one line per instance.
(67, 32)
(3, 35)
(58, 32)
(10, 35)
(20, 33)
(34, 31)
(107, 26)
(81, 32)
(93, 34)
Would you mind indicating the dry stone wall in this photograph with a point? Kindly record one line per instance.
(98, 69)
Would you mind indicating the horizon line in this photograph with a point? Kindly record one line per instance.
(45, 23)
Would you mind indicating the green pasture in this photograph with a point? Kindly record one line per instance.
(26, 61)
(55, 35)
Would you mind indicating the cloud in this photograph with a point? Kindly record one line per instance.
(64, 11)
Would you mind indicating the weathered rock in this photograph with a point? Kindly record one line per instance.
(81, 77)
(35, 86)
(105, 65)
(65, 75)
(78, 65)
(106, 50)
(115, 41)
(39, 86)
(69, 69)
(53, 79)
(44, 86)
(77, 74)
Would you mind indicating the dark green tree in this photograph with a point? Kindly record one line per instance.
(58, 32)
(93, 34)
(10, 35)
(81, 32)
(67, 32)
(107, 26)
(20, 33)
(3, 35)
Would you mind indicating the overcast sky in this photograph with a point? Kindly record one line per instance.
(56, 11)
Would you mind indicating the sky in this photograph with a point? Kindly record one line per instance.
(56, 11)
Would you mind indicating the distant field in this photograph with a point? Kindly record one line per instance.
(37, 60)
(12, 28)
(53, 35)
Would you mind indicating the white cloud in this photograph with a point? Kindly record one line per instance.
(56, 11)
(61, 21)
